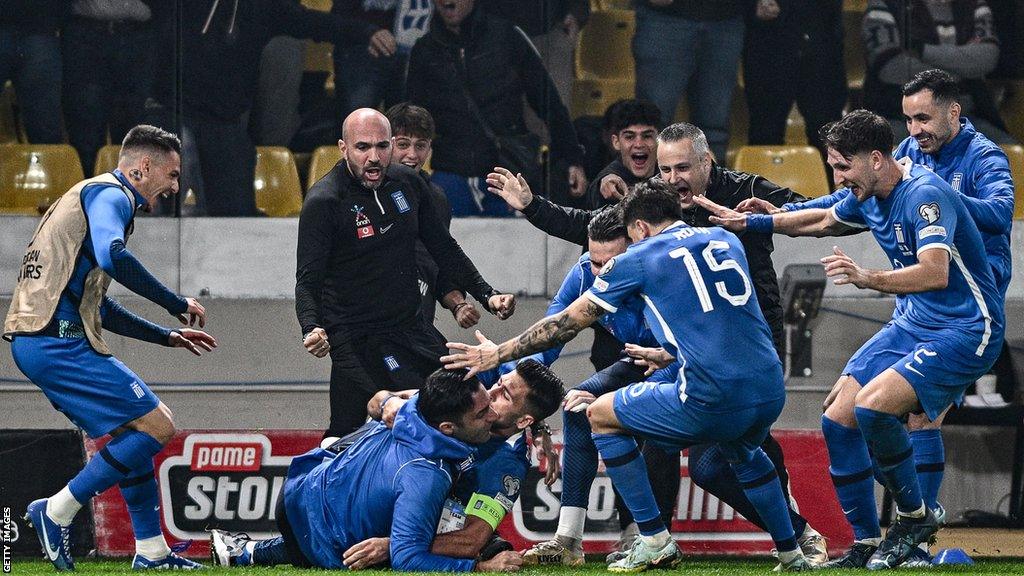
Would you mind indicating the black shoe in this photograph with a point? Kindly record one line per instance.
(494, 546)
(856, 557)
(902, 538)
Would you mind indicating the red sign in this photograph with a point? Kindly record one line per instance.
(702, 524)
(208, 479)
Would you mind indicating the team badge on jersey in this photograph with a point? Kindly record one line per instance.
(930, 212)
(901, 239)
(958, 178)
(400, 201)
(363, 227)
(511, 485)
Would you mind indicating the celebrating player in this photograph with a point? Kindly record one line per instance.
(55, 322)
(741, 385)
(947, 334)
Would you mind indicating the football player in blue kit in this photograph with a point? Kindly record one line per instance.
(692, 281)
(947, 143)
(948, 330)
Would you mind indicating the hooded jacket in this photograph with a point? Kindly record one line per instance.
(388, 483)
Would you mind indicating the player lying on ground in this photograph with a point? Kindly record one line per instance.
(392, 482)
(947, 334)
(728, 393)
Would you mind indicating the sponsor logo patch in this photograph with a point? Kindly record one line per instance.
(931, 231)
(600, 284)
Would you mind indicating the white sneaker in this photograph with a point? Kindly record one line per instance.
(643, 557)
(629, 535)
(553, 552)
(228, 549)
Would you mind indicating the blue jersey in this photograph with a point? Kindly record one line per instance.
(923, 213)
(494, 482)
(976, 168)
(388, 483)
(700, 304)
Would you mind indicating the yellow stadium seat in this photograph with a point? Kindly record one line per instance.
(604, 46)
(324, 158)
(592, 97)
(1012, 108)
(611, 5)
(1015, 153)
(797, 167)
(321, 5)
(278, 192)
(854, 54)
(106, 159)
(33, 176)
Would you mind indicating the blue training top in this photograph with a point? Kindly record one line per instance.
(702, 308)
(388, 483)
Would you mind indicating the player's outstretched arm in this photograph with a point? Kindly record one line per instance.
(812, 222)
(551, 331)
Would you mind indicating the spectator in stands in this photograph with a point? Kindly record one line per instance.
(471, 71)
(108, 70)
(553, 26)
(364, 79)
(219, 54)
(690, 47)
(793, 52)
(634, 125)
(413, 130)
(904, 38)
(30, 58)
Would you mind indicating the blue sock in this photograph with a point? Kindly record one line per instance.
(890, 444)
(129, 451)
(579, 460)
(761, 485)
(270, 552)
(626, 468)
(851, 471)
(140, 495)
(930, 461)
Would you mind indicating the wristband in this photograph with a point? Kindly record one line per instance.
(760, 223)
(385, 401)
(455, 310)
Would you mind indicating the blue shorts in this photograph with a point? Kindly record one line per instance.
(939, 364)
(654, 411)
(97, 393)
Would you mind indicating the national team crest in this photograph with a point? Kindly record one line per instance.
(400, 201)
(364, 229)
(930, 212)
(511, 485)
(958, 178)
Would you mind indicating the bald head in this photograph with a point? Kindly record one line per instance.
(366, 145)
(362, 119)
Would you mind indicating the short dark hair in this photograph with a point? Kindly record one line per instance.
(446, 396)
(654, 201)
(607, 225)
(944, 88)
(546, 389)
(626, 113)
(858, 132)
(150, 139)
(411, 120)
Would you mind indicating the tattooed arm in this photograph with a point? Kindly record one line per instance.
(551, 331)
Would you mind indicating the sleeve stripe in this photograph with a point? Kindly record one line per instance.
(597, 300)
(927, 247)
(845, 222)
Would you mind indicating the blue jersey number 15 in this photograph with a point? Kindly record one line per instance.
(699, 283)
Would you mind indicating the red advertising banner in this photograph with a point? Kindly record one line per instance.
(232, 479)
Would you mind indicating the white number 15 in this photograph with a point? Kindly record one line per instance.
(698, 280)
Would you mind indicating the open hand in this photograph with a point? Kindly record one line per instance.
(725, 217)
(195, 341)
(367, 553)
(512, 188)
(476, 359)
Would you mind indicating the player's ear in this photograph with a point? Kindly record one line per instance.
(447, 428)
(524, 422)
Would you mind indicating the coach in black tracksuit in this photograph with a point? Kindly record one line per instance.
(729, 188)
(356, 277)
